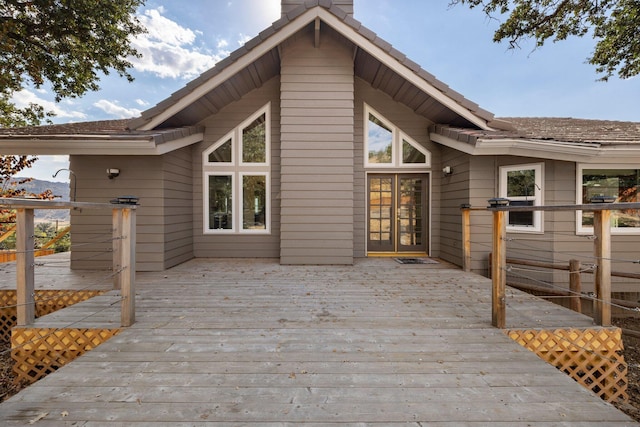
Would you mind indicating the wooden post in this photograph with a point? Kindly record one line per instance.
(575, 285)
(466, 237)
(127, 262)
(602, 251)
(498, 270)
(25, 277)
(116, 247)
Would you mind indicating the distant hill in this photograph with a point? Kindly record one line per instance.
(59, 189)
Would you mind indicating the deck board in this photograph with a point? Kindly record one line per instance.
(251, 342)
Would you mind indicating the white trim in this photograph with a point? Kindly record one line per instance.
(538, 197)
(237, 170)
(398, 136)
(218, 144)
(586, 230)
(267, 203)
(289, 30)
(205, 205)
(266, 110)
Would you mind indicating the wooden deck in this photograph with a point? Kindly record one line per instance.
(254, 343)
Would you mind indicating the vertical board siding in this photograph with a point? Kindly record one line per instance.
(178, 207)
(217, 126)
(317, 148)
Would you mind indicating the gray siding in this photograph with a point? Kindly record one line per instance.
(140, 176)
(217, 126)
(317, 151)
(178, 209)
(415, 127)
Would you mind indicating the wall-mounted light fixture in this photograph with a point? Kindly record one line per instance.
(447, 170)
(113, 173)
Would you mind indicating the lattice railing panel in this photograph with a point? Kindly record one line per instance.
(38, 352)
(592, 357)
(47, 301)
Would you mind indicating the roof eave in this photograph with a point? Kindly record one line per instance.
(95, 145)
(348, 28)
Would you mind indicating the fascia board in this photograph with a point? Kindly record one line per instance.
(384, 57)
(73, 146)
(228, 72)
(179, 143)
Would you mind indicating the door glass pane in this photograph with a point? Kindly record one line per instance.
(254, 141)
(410, 215)
(380, 210)
(411, 155)
(222, 154)
(379, 141)
(220, 202)
(254, 200)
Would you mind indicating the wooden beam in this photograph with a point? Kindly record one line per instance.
(498, 270)
(602, 252)
(316, 41)
(116, 247)
(25, 277)
(466, 239)
(128, 267)
(575, 285)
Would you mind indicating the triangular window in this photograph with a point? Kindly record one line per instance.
(222, 153)
(387, 146)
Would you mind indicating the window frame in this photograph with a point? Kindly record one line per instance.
(237, 169)
(538, 218)
(398, 136)
(588, 230)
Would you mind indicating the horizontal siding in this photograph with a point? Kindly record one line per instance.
(139, 176)
(414, 126)
(317, 93)
(178, 209)
(217, 126)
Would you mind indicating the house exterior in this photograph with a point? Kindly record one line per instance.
(317, 142)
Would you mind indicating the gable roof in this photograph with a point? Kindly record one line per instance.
(375, 61)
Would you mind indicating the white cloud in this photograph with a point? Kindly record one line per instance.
(25, 97)
(243, 39)
(116, 110)
(167, 49)
(142, 102)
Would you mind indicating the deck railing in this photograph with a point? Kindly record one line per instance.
(601, 244)
(124, 241)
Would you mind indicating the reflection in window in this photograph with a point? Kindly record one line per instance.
(254, 141)
(619, 184)
(380, 141)
(222, 154)
(411, 155)
(522, 185)
(220, 202)
(254, 202)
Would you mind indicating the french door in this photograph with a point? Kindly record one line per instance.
(397, 213)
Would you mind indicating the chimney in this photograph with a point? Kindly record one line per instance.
(288, 5)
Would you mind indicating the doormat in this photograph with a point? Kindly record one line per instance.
(416, 261)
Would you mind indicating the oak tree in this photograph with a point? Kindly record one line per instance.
(614, 25)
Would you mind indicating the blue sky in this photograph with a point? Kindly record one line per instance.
(455, 44)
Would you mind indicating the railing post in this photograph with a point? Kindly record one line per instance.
(25, 277)
(128, 266)
(575, 285)
(466, 237)
(498, 265)
(116, 247)
(602, 252)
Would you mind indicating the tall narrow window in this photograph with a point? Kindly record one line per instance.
(522, 185)
(386, 146)
(237, 195)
